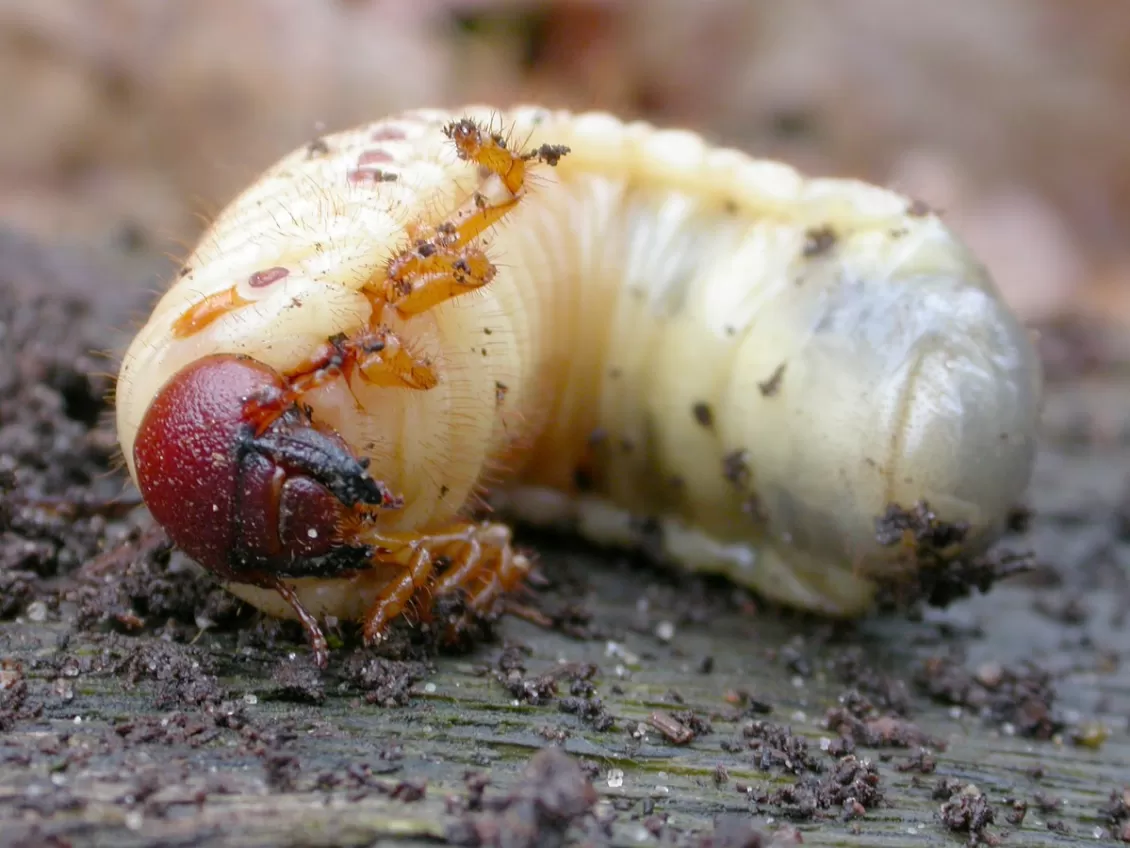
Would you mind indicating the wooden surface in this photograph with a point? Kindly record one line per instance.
(111, 744)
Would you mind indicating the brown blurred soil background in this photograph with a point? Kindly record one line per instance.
(137, 119)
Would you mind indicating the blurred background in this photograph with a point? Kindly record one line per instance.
(129, 122)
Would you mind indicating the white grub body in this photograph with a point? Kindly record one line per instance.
(749, 365)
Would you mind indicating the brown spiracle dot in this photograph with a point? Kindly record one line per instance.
(268, 276)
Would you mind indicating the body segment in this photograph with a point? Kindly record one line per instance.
(617, 327)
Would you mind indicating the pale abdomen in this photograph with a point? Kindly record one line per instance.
(684, 348)
(752, 394)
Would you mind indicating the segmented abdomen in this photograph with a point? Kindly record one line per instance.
(683, 347)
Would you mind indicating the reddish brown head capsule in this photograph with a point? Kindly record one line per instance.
(246, 506)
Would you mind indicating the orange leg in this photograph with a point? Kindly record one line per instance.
(318, 644)
(489, 151)
(375, 356)
(441, 261)
(472, 551)
(429, 275)
(399, 594)
(507, 574)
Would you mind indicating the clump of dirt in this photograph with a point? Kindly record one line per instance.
(852, 787)
(936, 575)
(14, 704)
(775, 746)
(858, 719)
(967, 810)
(553, 795)
(56, 446)
(1024, 698)
(541, 689)
(510, 673)
(885, 692)
(183, 674)
(298, 679)
(143, 584)
(1116, 814)
(386, 682)
(736, 831)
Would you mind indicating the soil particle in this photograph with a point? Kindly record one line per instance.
(531, 690)
(355, 780)
(679, 729)
(1116, 814)
(1022, 698)
(1016, 815)
(1046, 803)
(281, 771)
(968, 811)
(182, 674)
(775, 746)
(510, 672)
(176, 729)
(14, 704)
(937, 578)
(734, 831)
(582, 701)
(922, 762)
(918, 525)
(884, 691)
(361, 775)
(590, 710)
(861, 721)
(851, 787)
(553, 795)
(297, 679)
(385, 682)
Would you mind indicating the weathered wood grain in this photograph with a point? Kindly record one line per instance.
(88, 757)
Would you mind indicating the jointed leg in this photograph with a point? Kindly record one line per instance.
(441, 261)
(509, 572)
(399, 593)
(434, 271)
(469, 551)
(314, 635)
(489, 151)
(376, 356)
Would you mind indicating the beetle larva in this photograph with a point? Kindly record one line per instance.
(586, 321)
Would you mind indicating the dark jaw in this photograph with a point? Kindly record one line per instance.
(342, 562)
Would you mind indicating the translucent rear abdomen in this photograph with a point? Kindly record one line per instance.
(753, 395)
